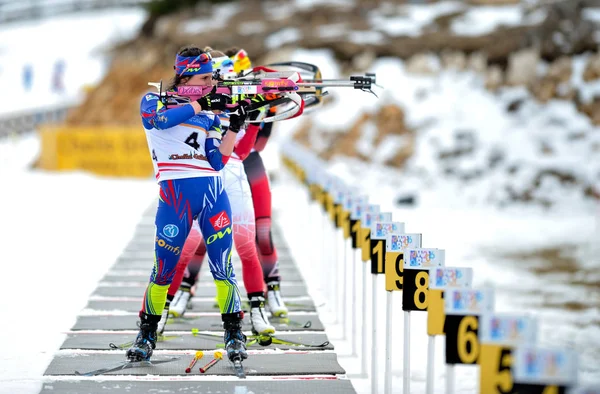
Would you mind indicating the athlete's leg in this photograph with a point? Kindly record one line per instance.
(244, 226)
(261, 198)
(182, 289)
(242, 210)
(195, 265)
(215, 224)
(179, 295)
(187, 254)
(173, 221)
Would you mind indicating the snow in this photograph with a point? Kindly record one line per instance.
(466, 135)
(219, 18)
(252, 27)
(332, 31)
(409, 20)
(308, 4)
(283, 37)
(592, 14)
(485, 19)
(41, 43)
(75, 225)
(365, 37)
(45, 209)
(364, 145)
(389, 146)
(277, 10)
(587, 90)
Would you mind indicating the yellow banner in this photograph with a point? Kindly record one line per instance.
(102, 151)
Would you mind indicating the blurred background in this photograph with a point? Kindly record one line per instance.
(485, 134)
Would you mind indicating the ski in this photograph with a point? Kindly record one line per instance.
(268, 340)
(179, 319)
(246, 305)
(287, 321)
(127, 345)
(125, 365)
(263, 340)
(239, 369)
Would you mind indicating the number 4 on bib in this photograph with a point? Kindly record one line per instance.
(192, 140)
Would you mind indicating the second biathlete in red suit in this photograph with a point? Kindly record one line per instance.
(261, 199)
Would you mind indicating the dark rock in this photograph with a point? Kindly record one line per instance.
(406, 200)
(515, 105)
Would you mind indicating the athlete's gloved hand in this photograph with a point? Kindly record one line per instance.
(258, 113)
(214, 101)
(238, 115)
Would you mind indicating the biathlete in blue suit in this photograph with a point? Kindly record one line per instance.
(188, 150)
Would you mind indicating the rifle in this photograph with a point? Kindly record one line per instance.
(284, 90)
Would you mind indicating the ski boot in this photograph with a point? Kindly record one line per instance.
(181, 302)
(235, 340)
(274, 300)
(163, 321)
(145, 342)
(258, 315)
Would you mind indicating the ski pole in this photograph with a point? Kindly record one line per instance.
(218, 356)
(197, 357)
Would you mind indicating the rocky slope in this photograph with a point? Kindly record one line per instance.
(545, 50)
(357, 32)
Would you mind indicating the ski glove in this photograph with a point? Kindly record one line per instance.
(260, 112)
(238, 115)
(214, 101)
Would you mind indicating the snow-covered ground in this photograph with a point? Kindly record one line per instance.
(79, 40)
(60, 234)
(53, 258)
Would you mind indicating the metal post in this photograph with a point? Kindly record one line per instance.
(430, 364)
(323, 258)
(449, 379)
(374, 376)
(353, 289)
(363, 333)
(335, 268)
(344, 286)
(387, 388)
(406, 367)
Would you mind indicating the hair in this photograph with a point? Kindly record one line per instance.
(213, 52)
(189, 50)
(231, 51)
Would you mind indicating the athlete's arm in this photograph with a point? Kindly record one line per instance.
(263, 136)
(245, 144)
(156, 115)
(217, 145)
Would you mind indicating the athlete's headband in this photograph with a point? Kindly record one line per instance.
(192, 65)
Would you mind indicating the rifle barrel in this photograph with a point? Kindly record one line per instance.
(324, 84)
